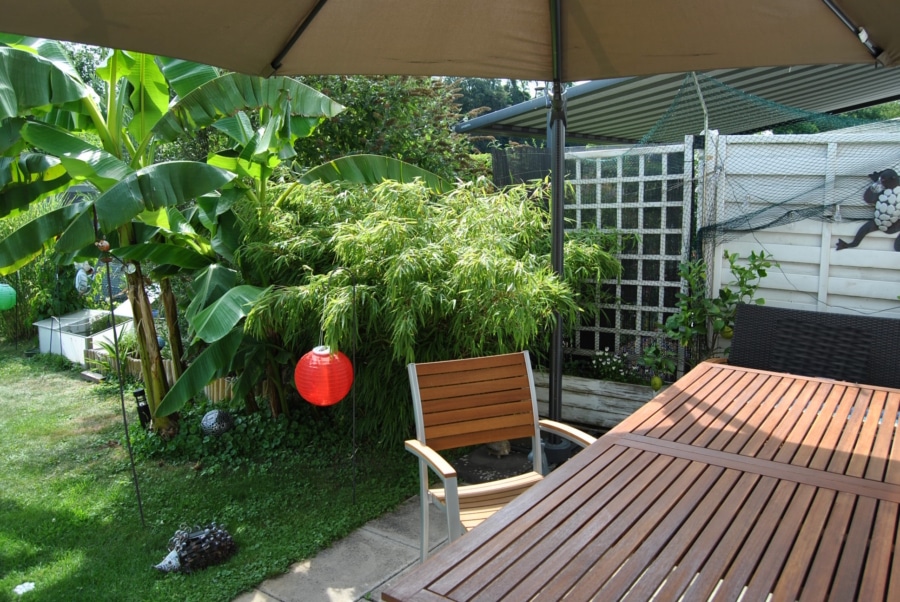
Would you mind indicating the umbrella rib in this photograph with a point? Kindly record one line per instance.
(859, 32)
(276, 62)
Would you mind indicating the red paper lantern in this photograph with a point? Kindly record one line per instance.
(323, 378)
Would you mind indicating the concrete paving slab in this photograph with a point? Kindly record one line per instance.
(360, 566)
(403, 524)
(344, 572)
(256, 596)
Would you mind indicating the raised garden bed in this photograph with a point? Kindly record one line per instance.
(599, 403)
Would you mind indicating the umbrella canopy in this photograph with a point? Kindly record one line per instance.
(478, 38)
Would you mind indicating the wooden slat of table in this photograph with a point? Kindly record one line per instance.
(544, 537)
(701, 409)
(707, 538)
(574, 558)
(759, 543)
(773, 562)
(624, 562)
(730, 425)
(878, 560)
(672, 539)
(881, 450)
(740, 527)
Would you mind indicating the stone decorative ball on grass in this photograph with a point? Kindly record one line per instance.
(216, 422)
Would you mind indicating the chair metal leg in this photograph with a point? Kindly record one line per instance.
(423, 511)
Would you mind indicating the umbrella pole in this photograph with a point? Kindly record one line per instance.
(556, 136)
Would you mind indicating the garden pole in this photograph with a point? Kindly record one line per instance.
(112, 317)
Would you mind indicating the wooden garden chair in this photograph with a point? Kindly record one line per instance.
(466, 402)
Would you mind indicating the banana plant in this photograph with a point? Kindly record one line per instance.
(44, 105)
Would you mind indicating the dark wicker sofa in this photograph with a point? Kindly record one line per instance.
(859, 349)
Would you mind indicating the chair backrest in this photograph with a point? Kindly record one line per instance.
(473, 401)
(860, 349)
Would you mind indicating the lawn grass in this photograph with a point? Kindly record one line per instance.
(69, 519)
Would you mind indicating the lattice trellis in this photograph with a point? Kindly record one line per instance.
(644, 192)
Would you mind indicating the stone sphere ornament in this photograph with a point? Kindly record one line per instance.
(216, 422)
(323, 377)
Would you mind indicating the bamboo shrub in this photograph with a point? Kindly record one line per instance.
(394, 274)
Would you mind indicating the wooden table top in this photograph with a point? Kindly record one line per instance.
(732, 483)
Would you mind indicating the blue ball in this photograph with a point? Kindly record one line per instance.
(161, 342)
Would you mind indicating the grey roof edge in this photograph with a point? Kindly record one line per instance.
(485, 123)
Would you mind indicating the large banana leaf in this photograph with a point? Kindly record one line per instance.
(27, 178)
(184, 76)
(82, 160)
(213, 361)
(71, 114)
(209, 285)
(147, 189)
(11, 143)
(232, 161)
(155, 187)
(149, 98)
(32, 85)
(224, 313)
(238, 128)
(228, 94)
(28, 241)
(51, 50)
(373, 169)
(163, 253)
(227, 237)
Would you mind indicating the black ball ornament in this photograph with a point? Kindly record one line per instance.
(216, 422)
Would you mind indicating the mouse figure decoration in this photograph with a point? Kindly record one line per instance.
(884, 195)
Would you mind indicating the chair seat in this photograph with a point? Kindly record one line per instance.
(480, 501)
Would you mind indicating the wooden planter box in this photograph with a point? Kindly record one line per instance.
(599, 403)
(98, 360)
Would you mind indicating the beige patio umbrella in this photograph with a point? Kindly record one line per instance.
(477, 38)
(549, 40)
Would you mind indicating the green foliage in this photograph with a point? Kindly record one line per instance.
(658, 360)
(394, 274)
(372, 169)
(256, 443)
(406, 118)
(43, 288)
(478, 96)
(700, 320)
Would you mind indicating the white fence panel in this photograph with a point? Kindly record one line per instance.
(811, 274)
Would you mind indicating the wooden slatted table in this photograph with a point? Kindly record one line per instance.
(732, 484)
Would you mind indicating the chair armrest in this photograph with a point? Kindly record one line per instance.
(437, 463)
(573, 434)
